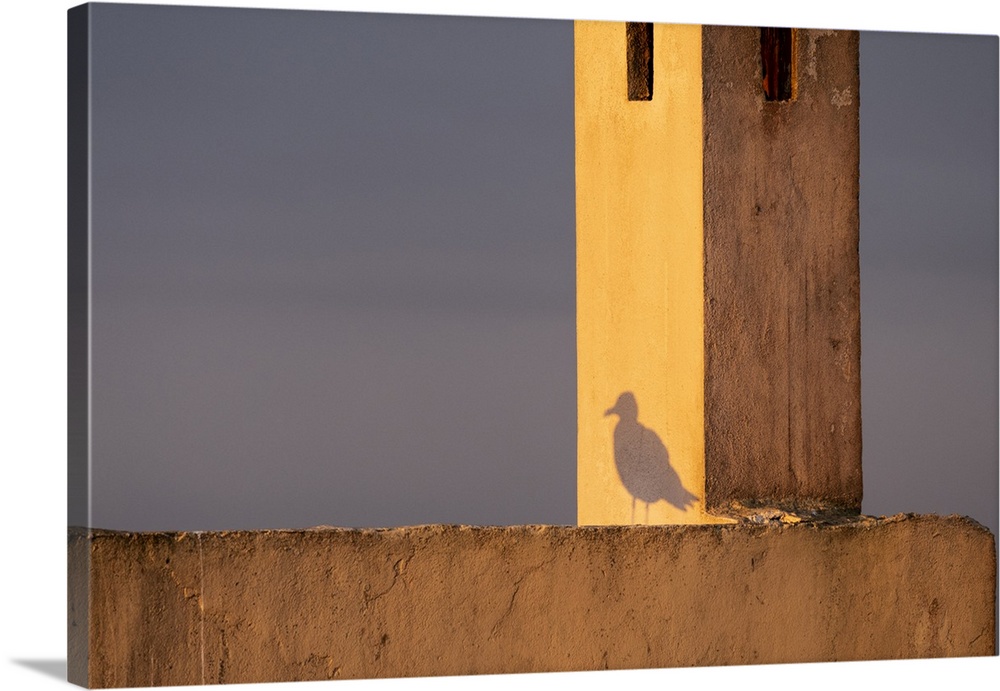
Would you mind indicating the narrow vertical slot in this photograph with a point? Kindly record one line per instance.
(639, 58)
(777, 56)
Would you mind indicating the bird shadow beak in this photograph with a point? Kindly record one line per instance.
(610, 411)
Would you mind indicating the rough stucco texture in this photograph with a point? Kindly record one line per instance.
(190, 608)
(782, 325)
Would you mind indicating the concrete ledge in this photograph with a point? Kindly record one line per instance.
(191, 608)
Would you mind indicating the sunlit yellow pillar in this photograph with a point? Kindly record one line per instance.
(639, 280)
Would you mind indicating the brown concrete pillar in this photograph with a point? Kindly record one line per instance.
(782, 296)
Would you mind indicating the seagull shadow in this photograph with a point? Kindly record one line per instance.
(643, 462)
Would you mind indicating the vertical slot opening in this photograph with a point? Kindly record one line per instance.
(639, 58)
(777, 62)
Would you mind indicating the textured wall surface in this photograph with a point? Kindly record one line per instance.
(639, 280)
(717, 277)
(191, 608)
(782, 310)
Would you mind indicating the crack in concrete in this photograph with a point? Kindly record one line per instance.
(398, 567)
(510, 607)
(513, 596)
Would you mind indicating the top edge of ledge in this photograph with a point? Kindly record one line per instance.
(760, 521)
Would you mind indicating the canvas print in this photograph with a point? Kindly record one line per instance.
(415, 345)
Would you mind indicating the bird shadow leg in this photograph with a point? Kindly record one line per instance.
(633, 509)
(647, 513)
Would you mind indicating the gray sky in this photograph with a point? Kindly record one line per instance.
(333, 270)
(929, 274)
(373, 216)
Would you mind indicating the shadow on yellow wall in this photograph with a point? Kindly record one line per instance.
(643, 462)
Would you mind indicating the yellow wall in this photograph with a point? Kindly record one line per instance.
(639, 266)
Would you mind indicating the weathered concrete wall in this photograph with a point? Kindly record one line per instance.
(717, 277)
(190, 608)
(78, 622)
(782, 301)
